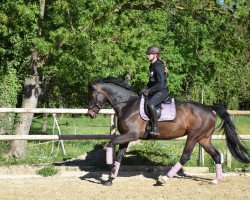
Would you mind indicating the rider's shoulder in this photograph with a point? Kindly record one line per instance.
(159, 63)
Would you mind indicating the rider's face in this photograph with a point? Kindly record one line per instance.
(151, 57)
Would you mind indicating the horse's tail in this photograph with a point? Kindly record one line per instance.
(234, 143)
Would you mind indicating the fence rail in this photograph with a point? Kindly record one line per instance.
(89, 137)
(53, 110)
(58, 137)
(85, 136)
(239, 112)
(84, 111)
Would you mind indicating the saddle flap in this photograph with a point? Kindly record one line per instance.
(165, 111)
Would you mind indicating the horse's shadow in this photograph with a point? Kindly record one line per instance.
(97, 171)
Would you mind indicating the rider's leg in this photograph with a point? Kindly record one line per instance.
(153, 118)
(156, 99)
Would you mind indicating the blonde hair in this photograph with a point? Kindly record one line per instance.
(164, 63)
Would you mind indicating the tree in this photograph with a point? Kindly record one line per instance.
(31, 92)
(68, 43)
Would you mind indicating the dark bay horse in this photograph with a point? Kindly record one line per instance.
(193, 119)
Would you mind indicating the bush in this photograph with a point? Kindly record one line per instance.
(47, 171)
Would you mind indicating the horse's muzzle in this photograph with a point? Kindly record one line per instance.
(92, 114)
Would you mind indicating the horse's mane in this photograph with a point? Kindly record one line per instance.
(116, 81)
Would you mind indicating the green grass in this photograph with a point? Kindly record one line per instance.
(242, 124)
(73, 125)
(169, 152)
(146, 153)
(47, 171)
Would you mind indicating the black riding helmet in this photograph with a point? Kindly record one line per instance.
(154, 50)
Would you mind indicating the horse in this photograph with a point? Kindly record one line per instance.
(195, 120)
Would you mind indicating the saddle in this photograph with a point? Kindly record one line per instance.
(166, 111)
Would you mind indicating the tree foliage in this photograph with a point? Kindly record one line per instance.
(205, 45)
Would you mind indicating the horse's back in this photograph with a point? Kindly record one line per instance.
(198, 115)
(191, 118)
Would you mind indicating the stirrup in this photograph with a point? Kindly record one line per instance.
(155, 131)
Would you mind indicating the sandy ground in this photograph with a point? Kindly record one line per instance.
(21, 182)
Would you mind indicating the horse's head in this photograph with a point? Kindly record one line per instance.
(97, 98)
(111, 89)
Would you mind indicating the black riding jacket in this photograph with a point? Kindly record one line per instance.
(157, 77)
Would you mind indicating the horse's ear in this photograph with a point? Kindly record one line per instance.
(94, 86)
(91, 86)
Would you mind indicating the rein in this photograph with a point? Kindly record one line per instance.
(125, 101)
(100, 106)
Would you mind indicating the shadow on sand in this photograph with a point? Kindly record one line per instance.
(97, 171)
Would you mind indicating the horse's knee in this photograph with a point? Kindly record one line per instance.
(185, 158)
(133, 136)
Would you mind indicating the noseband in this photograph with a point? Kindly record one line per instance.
(97, 105)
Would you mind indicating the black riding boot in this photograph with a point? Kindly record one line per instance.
(154, 121)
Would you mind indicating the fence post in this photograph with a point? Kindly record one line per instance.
(201, 150)
(112, 124)
(113, 131)
(201, 156)
(229, 158)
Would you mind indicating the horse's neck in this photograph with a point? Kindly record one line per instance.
(119, 97)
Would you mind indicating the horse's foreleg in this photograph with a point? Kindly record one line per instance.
(186, 155)
(116, 166)
(123, 139)
(120, 140)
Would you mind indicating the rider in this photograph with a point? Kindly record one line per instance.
(156, 89)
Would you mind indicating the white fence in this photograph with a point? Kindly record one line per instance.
(98, 137)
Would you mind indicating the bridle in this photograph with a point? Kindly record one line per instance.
(97, 105)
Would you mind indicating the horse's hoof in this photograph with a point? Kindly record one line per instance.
(214, 182)
(107, 183)
(163, 179)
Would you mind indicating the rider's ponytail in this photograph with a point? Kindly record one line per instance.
(165, 65)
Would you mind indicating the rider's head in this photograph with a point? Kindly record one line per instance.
(153, 53)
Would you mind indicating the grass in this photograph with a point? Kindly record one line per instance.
(243, 124)
(73, 125)
(47, 171)
(168, 153)
(144, 153)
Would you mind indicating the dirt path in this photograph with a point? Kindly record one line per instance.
(71, 183)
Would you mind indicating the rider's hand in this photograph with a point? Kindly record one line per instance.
(145, 93)
(143, 90)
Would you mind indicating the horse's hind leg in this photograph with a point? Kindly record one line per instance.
(209, 148)
(116, 166)
(186, 155)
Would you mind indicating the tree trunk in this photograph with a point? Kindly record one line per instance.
(30, 98)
